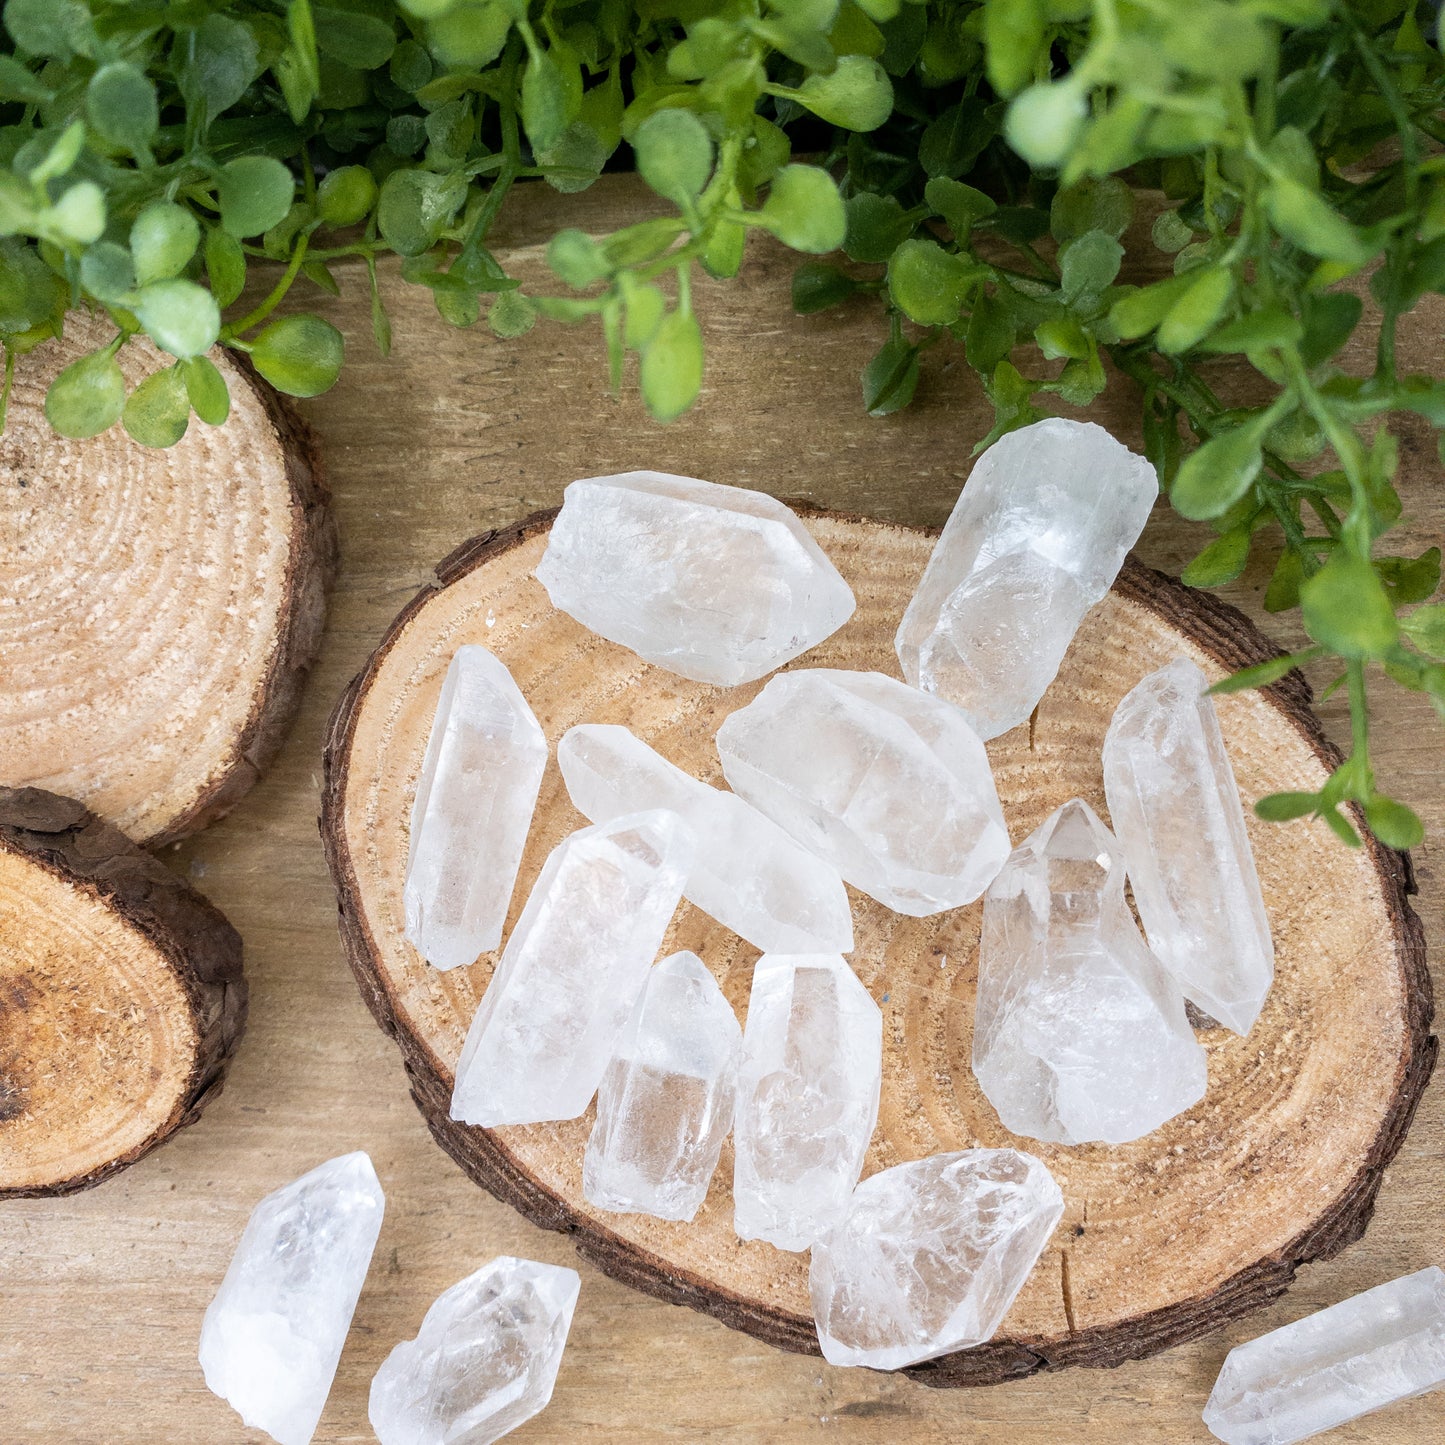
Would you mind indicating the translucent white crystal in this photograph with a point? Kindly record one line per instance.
(717, 583)
(1177, 815)
(273, 1334)
(889, 785)
(474, 802)
(484, 1360)
(1079, 1034)
(747, 872)
(1036, 538)
(665, 1104)
(1381, 1346)
(572, 969)
(808, 1088)
(930, 1255)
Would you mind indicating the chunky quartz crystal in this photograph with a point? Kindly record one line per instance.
(717, 583)
(1037, 537)
(272, 1336)
(1079, 1034)
(571, 972)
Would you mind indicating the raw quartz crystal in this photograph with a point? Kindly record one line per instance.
(1176, 812)
(272, 1336)
(474, 801)
(484, 1360)
(1079, 1034)
(720, 584)
(747, 873)
(890, 786)
(572, 969)
(665, 1104)
(808, 1091)
(930, 1256)
(1036, 538)
(1360, 1355)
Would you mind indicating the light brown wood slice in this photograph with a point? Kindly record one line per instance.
(158, 609)
(1163, 1239)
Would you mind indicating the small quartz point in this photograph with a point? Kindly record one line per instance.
(1176, 812)
(474, 801)
(807, 1097)
(572, 969)
(930, 1255)
(1036, 539)
(665, 1104)
(484, 1360)
(748, 874)
(890, 786)
(1079, 1033)
(273, 1334)
(1360, 1355)
(720, 584)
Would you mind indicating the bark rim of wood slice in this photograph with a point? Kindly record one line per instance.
(1163, 1240)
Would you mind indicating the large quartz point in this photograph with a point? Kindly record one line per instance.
(930, 1255)
(484, 1361)
(1385, 1345)
(556, 1006)
(747, 872)
(1176, 812)
(273, 1334)
(890, 786)
(474, 800)
(717, 583)
(666, 1101)
(1037, 537)
(807, 1097)
(1079, 1034)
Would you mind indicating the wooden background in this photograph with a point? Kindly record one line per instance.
(101, 1295)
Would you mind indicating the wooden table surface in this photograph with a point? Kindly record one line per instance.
(101, 1294)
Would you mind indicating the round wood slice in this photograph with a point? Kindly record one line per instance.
(158, 609)
(1161, 1240)
(121, 997)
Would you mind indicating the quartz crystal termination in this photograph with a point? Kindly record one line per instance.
(1358, 1356)
(890, 786)
(474, 801)
(484, 1360)
(719, 584)
(930, 1256)
(572, 969)
(749, 874)
(272, 1336)
(808, 1091)
(1177, 815)
(665, 1104)
(1079, 1034)
(1036, 538)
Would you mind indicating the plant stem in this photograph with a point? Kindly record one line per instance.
(278, 291)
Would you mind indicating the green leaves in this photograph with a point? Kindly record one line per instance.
(1217, 474)
(890, 378)
(158, 410)
(87, 397)
(857, 95)
(928, 284)
(1196, 313)
(179, 316)
(255, 194)
(121, 105)
(1346, 608)
(1306, 220)
(804, 210)
(346, 196)
(300, 355)
(163, 238)
(674, 154)
(671, 371)
(415, 207)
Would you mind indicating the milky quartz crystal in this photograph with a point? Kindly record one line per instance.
(720, 584)
(930, 1255)
(484, 1361)
(807, 1097)
(1036, 538)
(572, 969)
(890, 786)
(1079, 1034)
(273, 1334)
(1385, 1345)
(1176, 812)
(747, 872)
(665, 1104)
(474, 801)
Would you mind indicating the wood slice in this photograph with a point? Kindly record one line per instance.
(159, 610)
(1161, 1240)
(121, 997)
